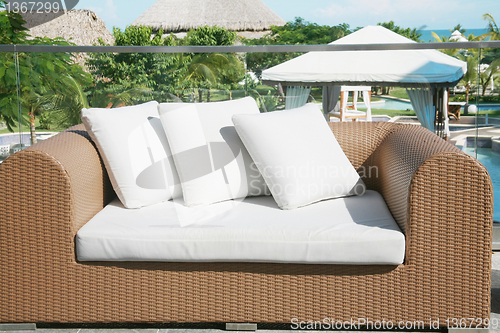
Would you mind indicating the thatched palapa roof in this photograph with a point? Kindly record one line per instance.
(79, 26)
(234, 15)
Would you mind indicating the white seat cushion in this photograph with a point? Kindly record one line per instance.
(351, 230)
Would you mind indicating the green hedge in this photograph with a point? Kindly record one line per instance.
(472, 99)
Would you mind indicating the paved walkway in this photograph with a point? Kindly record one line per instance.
(460, 136)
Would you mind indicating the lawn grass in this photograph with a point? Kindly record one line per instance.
(391, 113)
(265, 90)
(396, 113)
(495, 114)
(399, 93)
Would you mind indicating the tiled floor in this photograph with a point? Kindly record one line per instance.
(495, 288)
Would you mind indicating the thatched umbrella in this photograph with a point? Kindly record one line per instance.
(234, 15)
(79, 26)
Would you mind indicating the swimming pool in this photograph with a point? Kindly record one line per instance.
(393, 104)
(387, 104)
(11, 143)
(7, 139)
(13, 138)
(487, 107)
(491, 161)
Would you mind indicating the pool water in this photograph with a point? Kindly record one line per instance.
(387, 104)
(392, 104)
(14, 138)
(491, 161)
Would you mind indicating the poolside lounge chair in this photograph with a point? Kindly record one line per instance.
(454, 111)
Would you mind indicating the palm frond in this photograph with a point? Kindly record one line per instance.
(493, 30)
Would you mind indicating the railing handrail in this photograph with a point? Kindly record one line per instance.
(249, 48)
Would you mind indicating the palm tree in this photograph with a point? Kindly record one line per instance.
(444, 39)
(458, 28)
(487, 75)
(212, 71)
(493, 30)
(490, 54)
(41, 74)
(471, 58)
(65, 106)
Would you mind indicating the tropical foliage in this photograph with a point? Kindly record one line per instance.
(458, 28)
(54, 88)
(493, 30)
(163, 76)
(31, 80)
(212, 70)
(470, 78)
(482, 65)
(150, 75)
(488, 74)
(413, 34)
(11, 27)
(445, 39)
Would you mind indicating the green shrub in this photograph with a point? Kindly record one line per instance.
(44, 121)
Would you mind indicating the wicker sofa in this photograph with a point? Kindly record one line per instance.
(50, 190)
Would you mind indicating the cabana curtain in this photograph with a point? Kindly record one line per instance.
(445, 113)
(331, 96)
(422, 102)
(296, 96)
(366, 100)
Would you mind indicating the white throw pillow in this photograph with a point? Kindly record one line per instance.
(298, 156)
(212, 162)
(135, 151)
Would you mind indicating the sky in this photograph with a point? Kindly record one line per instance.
(420, 14)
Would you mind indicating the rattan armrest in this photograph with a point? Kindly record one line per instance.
(442, 199)
(60, 179)
(413, 168)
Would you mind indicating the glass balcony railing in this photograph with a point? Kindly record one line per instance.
(44, 88)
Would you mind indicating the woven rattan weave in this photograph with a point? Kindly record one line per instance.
(48, 191)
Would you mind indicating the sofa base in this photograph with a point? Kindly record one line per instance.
(496, 236)
(241, 327)
(18, 327)
(249, 327)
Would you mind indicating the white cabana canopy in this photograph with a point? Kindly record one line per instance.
(395, 68)
(423, 72)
